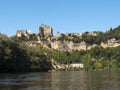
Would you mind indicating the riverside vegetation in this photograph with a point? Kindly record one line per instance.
(17, 57)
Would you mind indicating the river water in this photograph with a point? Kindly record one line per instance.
(61, 80)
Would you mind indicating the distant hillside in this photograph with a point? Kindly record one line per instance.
(40, 52)
(87, 40)
(71, 41)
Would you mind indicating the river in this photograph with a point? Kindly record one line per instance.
(61, 80)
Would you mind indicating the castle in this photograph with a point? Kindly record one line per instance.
(45, 31)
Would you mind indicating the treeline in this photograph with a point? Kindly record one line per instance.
(97, 58)
(19, 58)
(93, 39)
(102, 37)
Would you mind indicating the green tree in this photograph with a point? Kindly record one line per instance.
(98, 65)
(38, 59)
(33, 37)
(114, 65)
(12, 58)
(87, 61)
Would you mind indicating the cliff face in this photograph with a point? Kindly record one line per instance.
(111, 43)
(69, 46)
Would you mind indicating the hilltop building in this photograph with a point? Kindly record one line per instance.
(45, 31)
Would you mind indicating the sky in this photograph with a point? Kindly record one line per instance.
(73, 16)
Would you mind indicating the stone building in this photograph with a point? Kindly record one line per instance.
(22, 32)
(45, 31)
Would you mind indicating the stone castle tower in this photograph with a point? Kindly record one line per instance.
(45, 31)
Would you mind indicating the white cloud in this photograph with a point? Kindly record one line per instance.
(29, 31)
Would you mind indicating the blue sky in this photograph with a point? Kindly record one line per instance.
(63, 15)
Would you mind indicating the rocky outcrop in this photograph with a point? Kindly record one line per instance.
(69, 45)
(59, 45)
(111, 43)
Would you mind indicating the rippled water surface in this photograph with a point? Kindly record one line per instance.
(69, 80)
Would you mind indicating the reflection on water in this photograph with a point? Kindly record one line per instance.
(70, 80)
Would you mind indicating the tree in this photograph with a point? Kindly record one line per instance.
(12, 58)
(33, 37)
(114, 65)
(38, 60)
(87, 61)
(98, 65)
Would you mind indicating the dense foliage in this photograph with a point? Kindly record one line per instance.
(18, 58)
(93, 39)
(97, 58)
(31, 37)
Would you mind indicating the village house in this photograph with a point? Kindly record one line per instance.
(77, 65)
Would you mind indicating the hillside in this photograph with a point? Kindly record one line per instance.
(87, 40)
(41, 52)
(71, 41)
